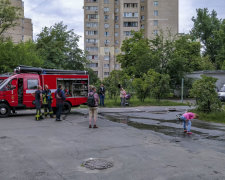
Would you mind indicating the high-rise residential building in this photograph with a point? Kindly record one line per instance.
(108, 22)
(23, 31)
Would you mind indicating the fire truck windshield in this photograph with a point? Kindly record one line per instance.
(4, 84)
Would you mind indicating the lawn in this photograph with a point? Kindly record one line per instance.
(134, 102)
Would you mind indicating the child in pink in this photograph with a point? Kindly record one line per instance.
(186, 117)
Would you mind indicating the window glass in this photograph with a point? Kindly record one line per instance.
(32, 83)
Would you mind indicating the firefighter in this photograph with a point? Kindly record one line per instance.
(47, 101)
(38, 99)
(60, 98)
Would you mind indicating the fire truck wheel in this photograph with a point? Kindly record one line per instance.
(66, 108)
(4, 110)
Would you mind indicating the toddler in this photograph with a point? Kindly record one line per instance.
(186, 117)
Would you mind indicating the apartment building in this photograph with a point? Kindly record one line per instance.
(23, 31)
(108, 22)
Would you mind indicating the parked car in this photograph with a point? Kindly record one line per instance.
(221, 93)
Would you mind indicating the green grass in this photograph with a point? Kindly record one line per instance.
(134, 102)
(217, 117)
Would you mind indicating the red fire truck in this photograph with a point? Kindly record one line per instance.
(16, 91)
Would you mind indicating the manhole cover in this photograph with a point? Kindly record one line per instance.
(100, 164)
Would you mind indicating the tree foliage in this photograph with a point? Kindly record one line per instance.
(111, 83)
(59, 48)
(8, 16)
(136, 58)
(141, 88)
(204, 91)
(207, 29)
(158, 84)
(12, 55)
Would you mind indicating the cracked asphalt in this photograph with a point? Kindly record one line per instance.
(144, 143)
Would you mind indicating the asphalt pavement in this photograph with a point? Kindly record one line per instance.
(143, 143)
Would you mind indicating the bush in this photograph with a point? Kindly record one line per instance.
(204, 91)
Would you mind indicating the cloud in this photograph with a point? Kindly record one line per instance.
(45, 13)
(48, 12)
(186, 11)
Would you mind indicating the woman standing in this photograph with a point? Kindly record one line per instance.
(93, 106)
(122, 96)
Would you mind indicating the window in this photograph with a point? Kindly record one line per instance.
(93, 65)
(117, 50)
(130, 24)
(106, 17)
(32, 83)
(91, 8)
(116, 34)
(142, 8)
(92, 16)
(106, 34)
(116, 42)
(142, 18)
(106, 58)
(156, 3)
(91, 24)
(106, 65)
(106, 1)
(116, 10)
(130, 14)
(127, 33)
(106, 25)
(92, 48)
(90, 1)
(156, 13)
(117, 66)
(106, 9)
(106, 73)
(93, 41)
(156, 22)
(106, 50)
(142, 26)
(130, 5)
(92, 57)
(116, 18)
(116, 26)
(155, 32)
(107, 42)
(91, 32)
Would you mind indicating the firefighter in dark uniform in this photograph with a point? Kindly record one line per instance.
(38, 99)
(47, 101)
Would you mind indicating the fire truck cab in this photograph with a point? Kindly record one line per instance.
(16, 92)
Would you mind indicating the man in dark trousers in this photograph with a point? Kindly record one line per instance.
(47, 101)
(101, 93)
(60, 98)
(38, 99)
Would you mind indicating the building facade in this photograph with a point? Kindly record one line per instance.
(108, 22)
(23, 31)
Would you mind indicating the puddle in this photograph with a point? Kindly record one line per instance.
(172, 131)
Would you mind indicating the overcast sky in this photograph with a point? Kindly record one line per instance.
(48, 12)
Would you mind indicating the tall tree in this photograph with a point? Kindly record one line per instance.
(136, 57)
(205, 24)
(8, 16)
(12, 55)
(59, 48)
